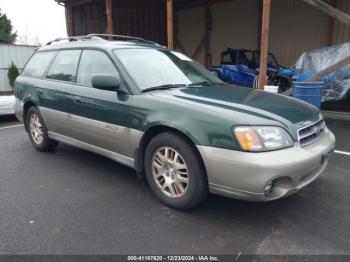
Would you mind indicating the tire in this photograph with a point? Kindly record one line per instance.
(36, 125)
(175, 172)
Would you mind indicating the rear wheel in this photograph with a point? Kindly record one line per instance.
(174, 171)
(38, 132)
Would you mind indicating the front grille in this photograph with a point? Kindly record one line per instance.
(309, 134)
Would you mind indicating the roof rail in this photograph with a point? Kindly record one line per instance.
(123, 37)
(103, 37)
(70, 39)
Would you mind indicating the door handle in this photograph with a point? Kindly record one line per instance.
(40, 92)
(77, 100)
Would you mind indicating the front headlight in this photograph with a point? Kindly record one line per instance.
(262, 138)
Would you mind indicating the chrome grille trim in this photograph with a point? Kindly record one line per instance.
(311, 133)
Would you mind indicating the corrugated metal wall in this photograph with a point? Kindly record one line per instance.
(16, 53)
(341, 32)
(89, 18)
(191, 29)
(296, 27)
(236, 25)
(145, 19)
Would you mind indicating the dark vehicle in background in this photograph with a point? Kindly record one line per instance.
(242, 66)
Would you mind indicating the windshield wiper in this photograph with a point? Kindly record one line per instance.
(162, 87)
(203, 83)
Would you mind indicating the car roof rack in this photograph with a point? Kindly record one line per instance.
(69, 39)
(104, 37)
(122, 37)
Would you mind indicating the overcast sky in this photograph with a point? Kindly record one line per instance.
(34, 20)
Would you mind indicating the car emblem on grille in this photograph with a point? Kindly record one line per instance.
(318, 130)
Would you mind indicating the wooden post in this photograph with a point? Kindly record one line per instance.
(109, 14)
(170, 23)
(264, 50)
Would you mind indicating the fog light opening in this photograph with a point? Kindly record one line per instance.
(269, 188)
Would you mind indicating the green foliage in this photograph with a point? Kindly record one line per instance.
(6, 34)
(12, 74)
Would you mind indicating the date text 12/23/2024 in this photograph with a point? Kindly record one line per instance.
(173, 258)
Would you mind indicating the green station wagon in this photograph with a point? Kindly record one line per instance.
(165, 115)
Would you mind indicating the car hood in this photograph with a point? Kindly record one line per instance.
(226, 98)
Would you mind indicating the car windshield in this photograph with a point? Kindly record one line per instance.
(151, 68)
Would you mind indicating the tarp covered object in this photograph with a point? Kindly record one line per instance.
(337, 84)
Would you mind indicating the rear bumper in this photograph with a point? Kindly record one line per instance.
(245, 175)
(7, 106)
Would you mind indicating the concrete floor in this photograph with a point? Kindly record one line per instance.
(75, 202)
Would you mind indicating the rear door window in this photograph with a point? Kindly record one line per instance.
(38, 64)
(92, 63)
(64, 67)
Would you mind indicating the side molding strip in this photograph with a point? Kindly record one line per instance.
(112, 155)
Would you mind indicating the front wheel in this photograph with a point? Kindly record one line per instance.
(37, 131)
(175, 172)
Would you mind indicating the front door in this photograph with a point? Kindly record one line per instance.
(100, 118)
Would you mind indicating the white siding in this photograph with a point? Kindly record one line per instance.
(18, 54)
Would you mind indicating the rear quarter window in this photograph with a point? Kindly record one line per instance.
(38, 64)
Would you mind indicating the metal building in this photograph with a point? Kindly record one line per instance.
(18, 54)
(202, 29)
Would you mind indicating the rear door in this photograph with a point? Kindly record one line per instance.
(54, 91)
(100, 118)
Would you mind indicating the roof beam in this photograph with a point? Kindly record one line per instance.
(185, 4)
(330, 10)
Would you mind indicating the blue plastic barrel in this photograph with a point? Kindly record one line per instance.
(310, 92)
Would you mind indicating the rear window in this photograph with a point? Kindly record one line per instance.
(64, 68)
(38, 64)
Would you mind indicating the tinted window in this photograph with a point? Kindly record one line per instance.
(94, 63)
(64, 67)
(38, 64)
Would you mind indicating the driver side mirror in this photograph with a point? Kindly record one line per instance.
(105, 82)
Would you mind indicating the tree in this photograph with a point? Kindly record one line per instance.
(6, 29)
(12, 74)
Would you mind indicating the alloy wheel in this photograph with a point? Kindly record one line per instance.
(36, 129)
(170, 172)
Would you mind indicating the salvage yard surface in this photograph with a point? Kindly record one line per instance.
(75, 202)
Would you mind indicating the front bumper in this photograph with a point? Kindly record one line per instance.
(245, 175)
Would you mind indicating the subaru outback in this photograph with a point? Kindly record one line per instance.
(163, 114)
